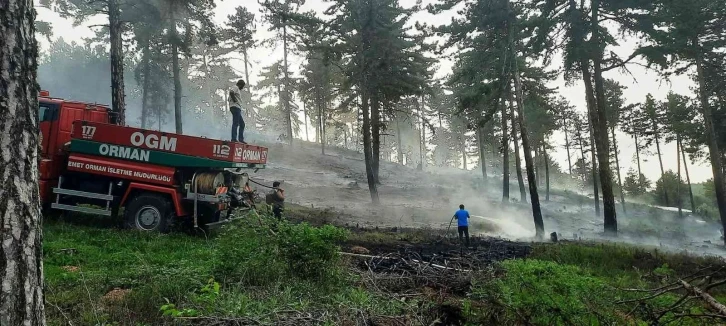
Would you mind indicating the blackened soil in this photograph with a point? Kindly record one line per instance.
(481, 253)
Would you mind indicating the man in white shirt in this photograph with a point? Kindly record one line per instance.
(235, 106)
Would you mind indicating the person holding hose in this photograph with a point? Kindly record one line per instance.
(462, 217)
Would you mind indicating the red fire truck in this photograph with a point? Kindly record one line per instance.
(91, 165)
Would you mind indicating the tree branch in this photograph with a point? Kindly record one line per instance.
(715, 305)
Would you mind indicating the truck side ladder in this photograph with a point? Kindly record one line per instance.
(77, 193)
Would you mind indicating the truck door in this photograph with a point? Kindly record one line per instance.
(47, 114)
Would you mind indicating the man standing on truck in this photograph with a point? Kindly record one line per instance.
(235, 107)
(462, 217)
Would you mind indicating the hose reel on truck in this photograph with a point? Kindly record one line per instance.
(215, 187)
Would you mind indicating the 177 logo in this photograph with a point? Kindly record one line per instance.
(87, 132)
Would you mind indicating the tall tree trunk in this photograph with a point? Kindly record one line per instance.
(593, 151)
(146, 57)
(637, 153)
(286, 97)
(567, 145)
(536, 210)
(305, 120)
(462, 138)
(547, 170)
(250, 111)
(321, 122)
(176, 68)
(617, 166)
(601, 131)
(367, 152)
(21, 250)
(583, 171)
(528, 162)
(688, 179)
(517, 158)
(660, 160)
(505, 152)
(399, 142)
(345, 136)
(117, 62)
(537, 165)
(678, 185)
(422, 134)
(376, 136)
(482, 153)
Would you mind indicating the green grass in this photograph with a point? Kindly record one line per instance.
(244, 272)
(248, 272)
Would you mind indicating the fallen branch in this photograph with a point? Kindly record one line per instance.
(364, 256)
(441, 267)
(715, 305)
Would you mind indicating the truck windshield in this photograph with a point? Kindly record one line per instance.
(46, 113)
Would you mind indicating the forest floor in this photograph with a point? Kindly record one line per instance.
(255, 272)
(427, 199)
(398, 264)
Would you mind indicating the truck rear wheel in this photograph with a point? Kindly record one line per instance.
(148, 212)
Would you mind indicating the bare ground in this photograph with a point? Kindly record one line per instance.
(427, 199)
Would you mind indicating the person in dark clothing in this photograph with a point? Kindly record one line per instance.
(277, 199)
(462, 217)
(235, 107)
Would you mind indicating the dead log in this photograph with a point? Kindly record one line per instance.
(715, 305)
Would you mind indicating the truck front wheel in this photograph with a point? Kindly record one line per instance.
(148, 212)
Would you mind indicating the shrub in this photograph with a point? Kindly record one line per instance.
(254, 254)
(545, 293)
(247, 253)
(310, 252)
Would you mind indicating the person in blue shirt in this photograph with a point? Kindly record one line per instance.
(462, 217)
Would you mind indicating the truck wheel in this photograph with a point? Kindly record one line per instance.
(148, 212)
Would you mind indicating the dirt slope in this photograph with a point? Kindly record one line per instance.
(413, 198)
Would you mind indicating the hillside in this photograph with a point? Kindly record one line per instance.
(413, 198)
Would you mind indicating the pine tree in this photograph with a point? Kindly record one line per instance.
(21, 253)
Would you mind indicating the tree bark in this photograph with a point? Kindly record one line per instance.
(376, 136)
(583, 171)
(534, 196)
(176, 68)
(713, 303)
(321, 122)
(517, 158)
(21, 251)
(305, 121)
(422, 133)
(567, 144)
(617, 166)
(462, 138)
(482, 153)
(286, 98)
(660, 159)
(713, 150)
(678, 184)
(537, 160)
(536, 210)
(505, 152)
(117, 62)
(593, 158)
(368, 153)
(688, 179)
(145, 90)
(250, 111)
(399, 145)
(601, 131)
(547, 170)
(637, 153)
